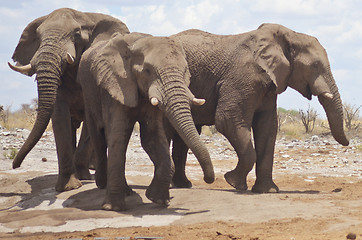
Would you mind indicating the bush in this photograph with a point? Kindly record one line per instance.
(308, 118)
(351, 116)
(12, 154)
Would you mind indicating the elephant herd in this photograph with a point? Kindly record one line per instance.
(89, 68)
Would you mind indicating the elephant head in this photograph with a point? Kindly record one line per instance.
(134, 66)
(51, 47)
(299, 61)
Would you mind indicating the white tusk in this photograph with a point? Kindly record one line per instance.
(328, 96)
(198, 101)
(123, 74)
(154, 101)
(70, 58)
(21, 69)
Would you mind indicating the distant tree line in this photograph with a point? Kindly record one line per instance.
(308, 118)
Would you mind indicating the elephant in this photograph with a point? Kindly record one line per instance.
(240, 76)
(138, 78)
(51, 47)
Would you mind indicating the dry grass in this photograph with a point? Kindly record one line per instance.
(296, 130)
(20, 119)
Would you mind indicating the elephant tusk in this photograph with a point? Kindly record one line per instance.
(123, 74)
(21, 69)
(198, 101)
(328, 96)
(70, 58)
(154, 101)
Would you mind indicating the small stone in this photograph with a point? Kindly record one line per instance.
(351, 236)
(315, 138)
(44, 159)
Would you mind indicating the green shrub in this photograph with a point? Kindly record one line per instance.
(11, 155)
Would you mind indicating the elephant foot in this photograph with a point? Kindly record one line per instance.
(67, 183)
(181, 182)
(235, 180)
(83, 174)
(265, 186)
(114, 202)
(157, 195)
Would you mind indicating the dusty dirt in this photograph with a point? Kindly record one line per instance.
(320, 197)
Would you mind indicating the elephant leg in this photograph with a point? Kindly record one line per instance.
(83, 155)
(99, 145)
(240, 139)
(179, 156)
(155, 143)
(265, 125)
(65, 138)
(118, 133)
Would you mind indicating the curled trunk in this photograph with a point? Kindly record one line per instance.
(178, 111)
(334, 110)
(48, 78)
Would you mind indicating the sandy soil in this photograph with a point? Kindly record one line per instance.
(320, 197)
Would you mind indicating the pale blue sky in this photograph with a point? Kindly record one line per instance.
(337, 25)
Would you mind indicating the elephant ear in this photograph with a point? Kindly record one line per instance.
(28, 43)
(112, 68)
(270, 56)
(105, 28)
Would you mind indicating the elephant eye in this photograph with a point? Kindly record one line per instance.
(316, 65)
(77, 36)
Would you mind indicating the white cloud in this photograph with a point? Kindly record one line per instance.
(157, 13)
(352, 32)
(341, 75)
(197, 16)
(9, 13)
(300, 7)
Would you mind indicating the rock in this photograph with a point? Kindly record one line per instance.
(351, 236)
(315, 138)
(337, 190)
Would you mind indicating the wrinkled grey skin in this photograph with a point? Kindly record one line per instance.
(53, 45)
(120, 79)
(240, 77)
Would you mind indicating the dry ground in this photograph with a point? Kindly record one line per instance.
(320, 198)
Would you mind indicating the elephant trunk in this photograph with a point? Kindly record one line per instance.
(48, 79)
(178, 111)
(333, 107)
